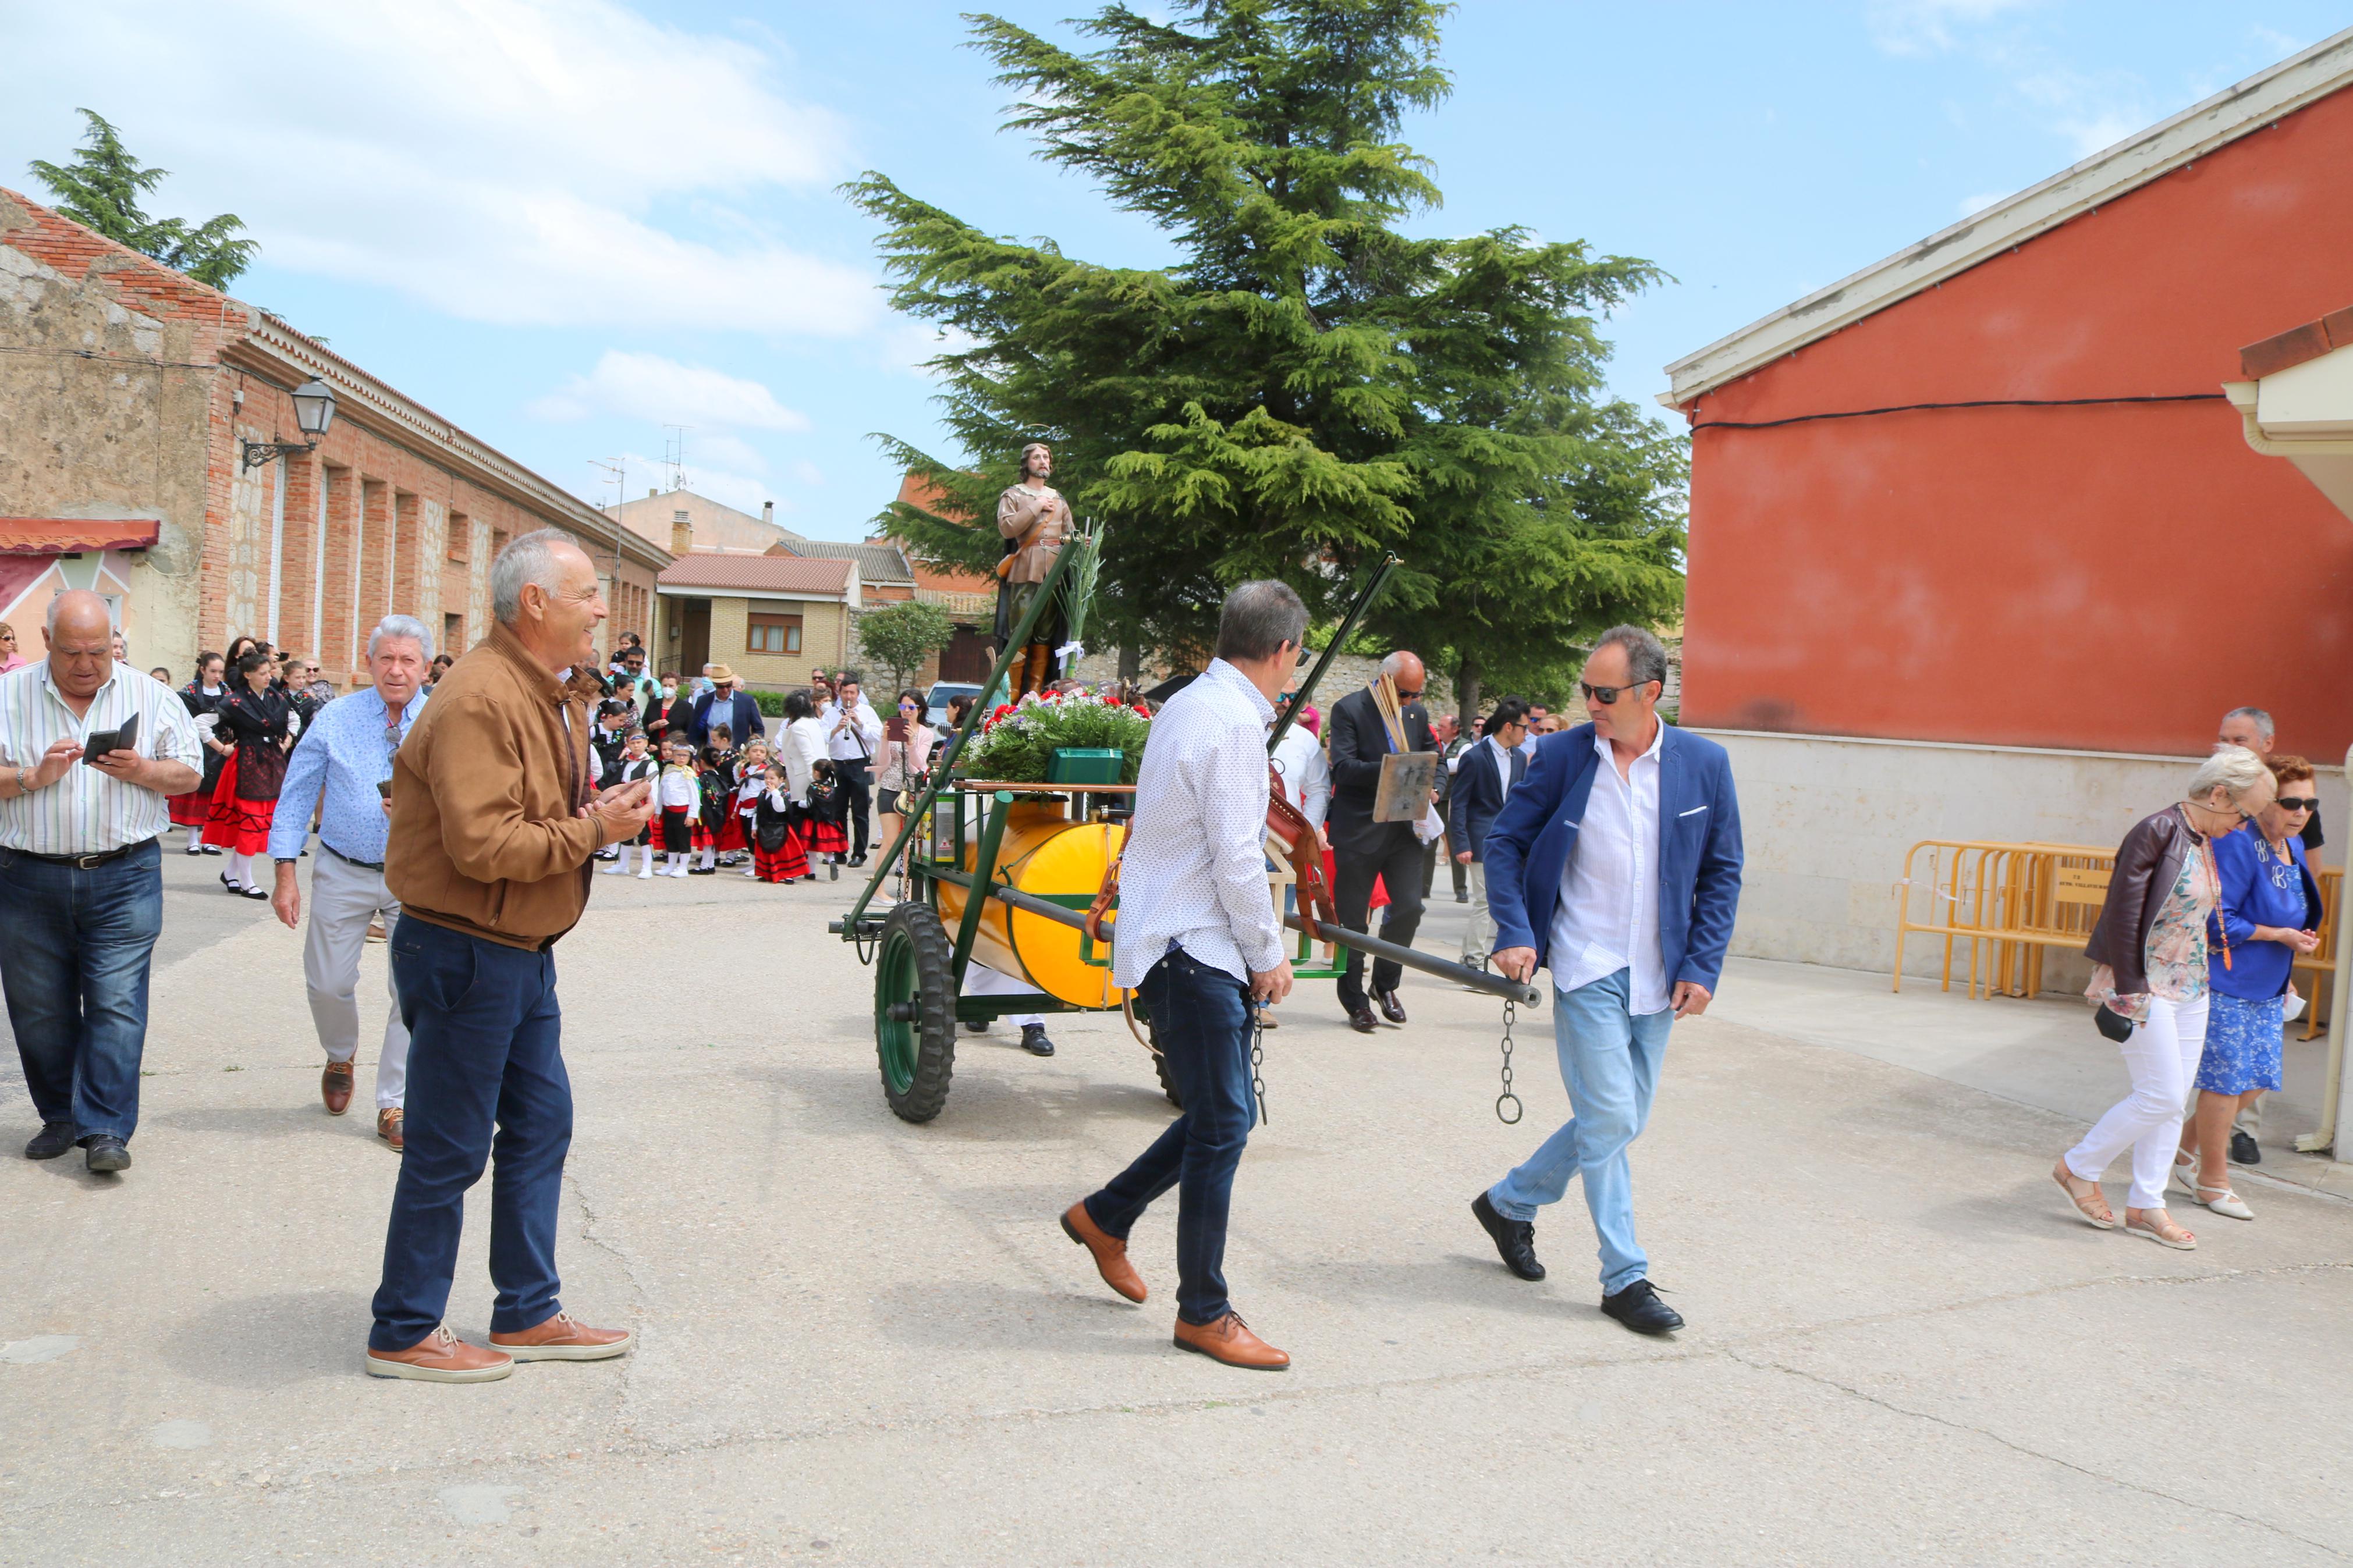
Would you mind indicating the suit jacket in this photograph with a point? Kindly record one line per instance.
(1359, 742)
(741, 717)
(1698, 856)
(1477, 796)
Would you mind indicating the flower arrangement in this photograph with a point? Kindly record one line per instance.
(1018, 740)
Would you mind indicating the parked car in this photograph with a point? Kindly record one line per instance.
(943, 692)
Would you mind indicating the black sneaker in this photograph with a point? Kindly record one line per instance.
(1639, 1308)
(2242, 1149)
(1034, 1040)
(1515, 1239)
(107, 1153)
(703, 871)
(54, 1139)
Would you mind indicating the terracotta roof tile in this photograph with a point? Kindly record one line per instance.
(758, 574)
(2286, 350)
(64, 535)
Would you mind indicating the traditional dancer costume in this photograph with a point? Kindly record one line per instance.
(194, 809)
(678, 803)
(247, 795)
(777, 855)
(827, 833)
(631, 771)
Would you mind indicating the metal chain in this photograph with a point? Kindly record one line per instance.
(1258, 1061)
(1511, 1009)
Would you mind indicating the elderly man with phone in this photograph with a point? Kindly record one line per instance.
(493, 828)
(90, 752)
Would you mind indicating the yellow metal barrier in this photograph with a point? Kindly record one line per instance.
(2317, 968)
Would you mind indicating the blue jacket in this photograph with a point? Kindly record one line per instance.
(741, 717)
(2257, 891)
(1476, 796)
(1699, 857)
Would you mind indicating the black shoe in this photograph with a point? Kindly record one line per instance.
(2243, 1150)
(1639, 1308)
(1391, 1008)
(107, 1154)
(1514, 1238)
(1461, 898)
(703, 871)
(833, 870)
(232, 884)
(857, 860)
(256, 892)
(210, 848)
(1034, 1040)
(608, 853)
(971, 1027)
(1360, 1019)
(54, 1139)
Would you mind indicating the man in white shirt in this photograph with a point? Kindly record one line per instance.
(82, 881)
(1616, 861)
(1199, 942)
(852, 735)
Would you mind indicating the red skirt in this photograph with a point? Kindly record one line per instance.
(788, 862)
(239, 826)
(1332, 879)
(729, 837)
(194, 809)
(828, 837)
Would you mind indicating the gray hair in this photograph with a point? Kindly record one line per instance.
(530, 559)
(1646, 657)
(2261, 719)
(401, 628)
(2232, 768)
(1259, 618)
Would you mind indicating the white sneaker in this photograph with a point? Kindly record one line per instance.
(678, 871)
(643, 875)
(616, 869)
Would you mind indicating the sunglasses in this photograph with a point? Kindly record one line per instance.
(1608, 695)
(2299, 802)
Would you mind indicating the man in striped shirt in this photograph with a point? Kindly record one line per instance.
(82, 881)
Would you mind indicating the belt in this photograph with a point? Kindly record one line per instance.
(83, 862)
(375, 866)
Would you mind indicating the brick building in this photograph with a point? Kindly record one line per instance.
(127, 393)
(773, 619)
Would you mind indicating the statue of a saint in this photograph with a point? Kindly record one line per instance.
(1035, 520)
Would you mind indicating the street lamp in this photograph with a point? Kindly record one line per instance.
(314, 410)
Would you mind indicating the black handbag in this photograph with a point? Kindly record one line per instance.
(2111, 1024)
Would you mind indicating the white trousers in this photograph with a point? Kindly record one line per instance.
(2162, 1058)
(343, 899)
(979, 980)
(1479, 930)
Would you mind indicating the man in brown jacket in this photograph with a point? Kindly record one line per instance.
(492, 830)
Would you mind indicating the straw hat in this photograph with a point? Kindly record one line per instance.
(720, 675)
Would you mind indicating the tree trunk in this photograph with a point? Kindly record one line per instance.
(1466, 696)
(1131, 661)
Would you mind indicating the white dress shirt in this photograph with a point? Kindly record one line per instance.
(87, 812)
(861, 741)
(1194, 869)
(1608, 918)
(1306, 772)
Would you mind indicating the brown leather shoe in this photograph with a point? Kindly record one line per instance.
(387, 1127)
(1110, 1252)
(335, 1087)
(1230, 1339)
(561, 1339)
(441, 1357)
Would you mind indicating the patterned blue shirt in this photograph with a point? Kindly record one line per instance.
(344, 756)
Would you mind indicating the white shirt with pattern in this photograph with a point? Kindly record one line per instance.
(87, 812)
(1193, 873)
(1608, 918)
(1307, 772)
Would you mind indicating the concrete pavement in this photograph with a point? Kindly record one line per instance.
(864, 1341)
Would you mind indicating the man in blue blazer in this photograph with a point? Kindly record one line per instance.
(1617, 864)
(1484, 775)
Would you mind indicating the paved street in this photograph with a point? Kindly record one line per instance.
(868, 1343)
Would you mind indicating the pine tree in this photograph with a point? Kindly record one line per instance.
(102, 189)
(1308, 387)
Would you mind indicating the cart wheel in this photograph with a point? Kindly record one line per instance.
(914, 1011)
(1160, 1066)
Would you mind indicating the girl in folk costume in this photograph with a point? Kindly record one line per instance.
(636, 765)
(736, 769)
(680, 798)
(714, 784)
(751, 778)
(257, 719)
(828, 834)
(202, 696)
(776, 852)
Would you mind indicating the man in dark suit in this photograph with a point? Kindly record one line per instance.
(1483, 776)
(1363, 849)
(1617, 864)
(723, 704)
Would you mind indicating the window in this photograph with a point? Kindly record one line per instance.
(771, 634)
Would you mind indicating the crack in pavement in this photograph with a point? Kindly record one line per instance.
(2015, 1447)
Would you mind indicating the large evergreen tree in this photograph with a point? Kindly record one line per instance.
(102, 189)
(1308, 387)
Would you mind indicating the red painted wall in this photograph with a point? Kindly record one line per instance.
(2108, 578)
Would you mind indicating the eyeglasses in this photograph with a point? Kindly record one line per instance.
(2299, 802)
(1412, 695)
(1608, 695)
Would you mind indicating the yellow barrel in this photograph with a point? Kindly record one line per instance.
(1045, 854)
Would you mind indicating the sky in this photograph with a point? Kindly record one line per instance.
(569, 226)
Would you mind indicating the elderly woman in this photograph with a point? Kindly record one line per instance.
(2148, 953)
(2269, 915)
(10, 656)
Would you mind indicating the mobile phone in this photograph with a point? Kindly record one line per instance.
(123, 740)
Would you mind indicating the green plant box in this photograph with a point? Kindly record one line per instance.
(1084, 765)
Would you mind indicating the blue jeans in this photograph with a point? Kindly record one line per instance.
(1201, 1018)
(1610, 1060)
(484, 1053)
(75, 948)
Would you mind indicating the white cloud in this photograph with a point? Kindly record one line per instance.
(1929, 27)
(1972, 205)
(663, 392)
(2093, 112)
(518, 162)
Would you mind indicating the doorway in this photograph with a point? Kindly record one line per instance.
(693, 637)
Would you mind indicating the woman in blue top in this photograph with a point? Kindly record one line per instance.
(2266, 918)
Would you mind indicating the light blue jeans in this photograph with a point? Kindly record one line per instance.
(1610, 1060)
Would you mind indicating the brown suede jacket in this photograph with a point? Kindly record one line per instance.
(2148, 864)
(487, 835)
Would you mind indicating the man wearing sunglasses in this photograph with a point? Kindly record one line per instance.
(1363, 849)
(1617, 863)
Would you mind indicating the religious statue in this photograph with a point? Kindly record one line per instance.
(1035, 520)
